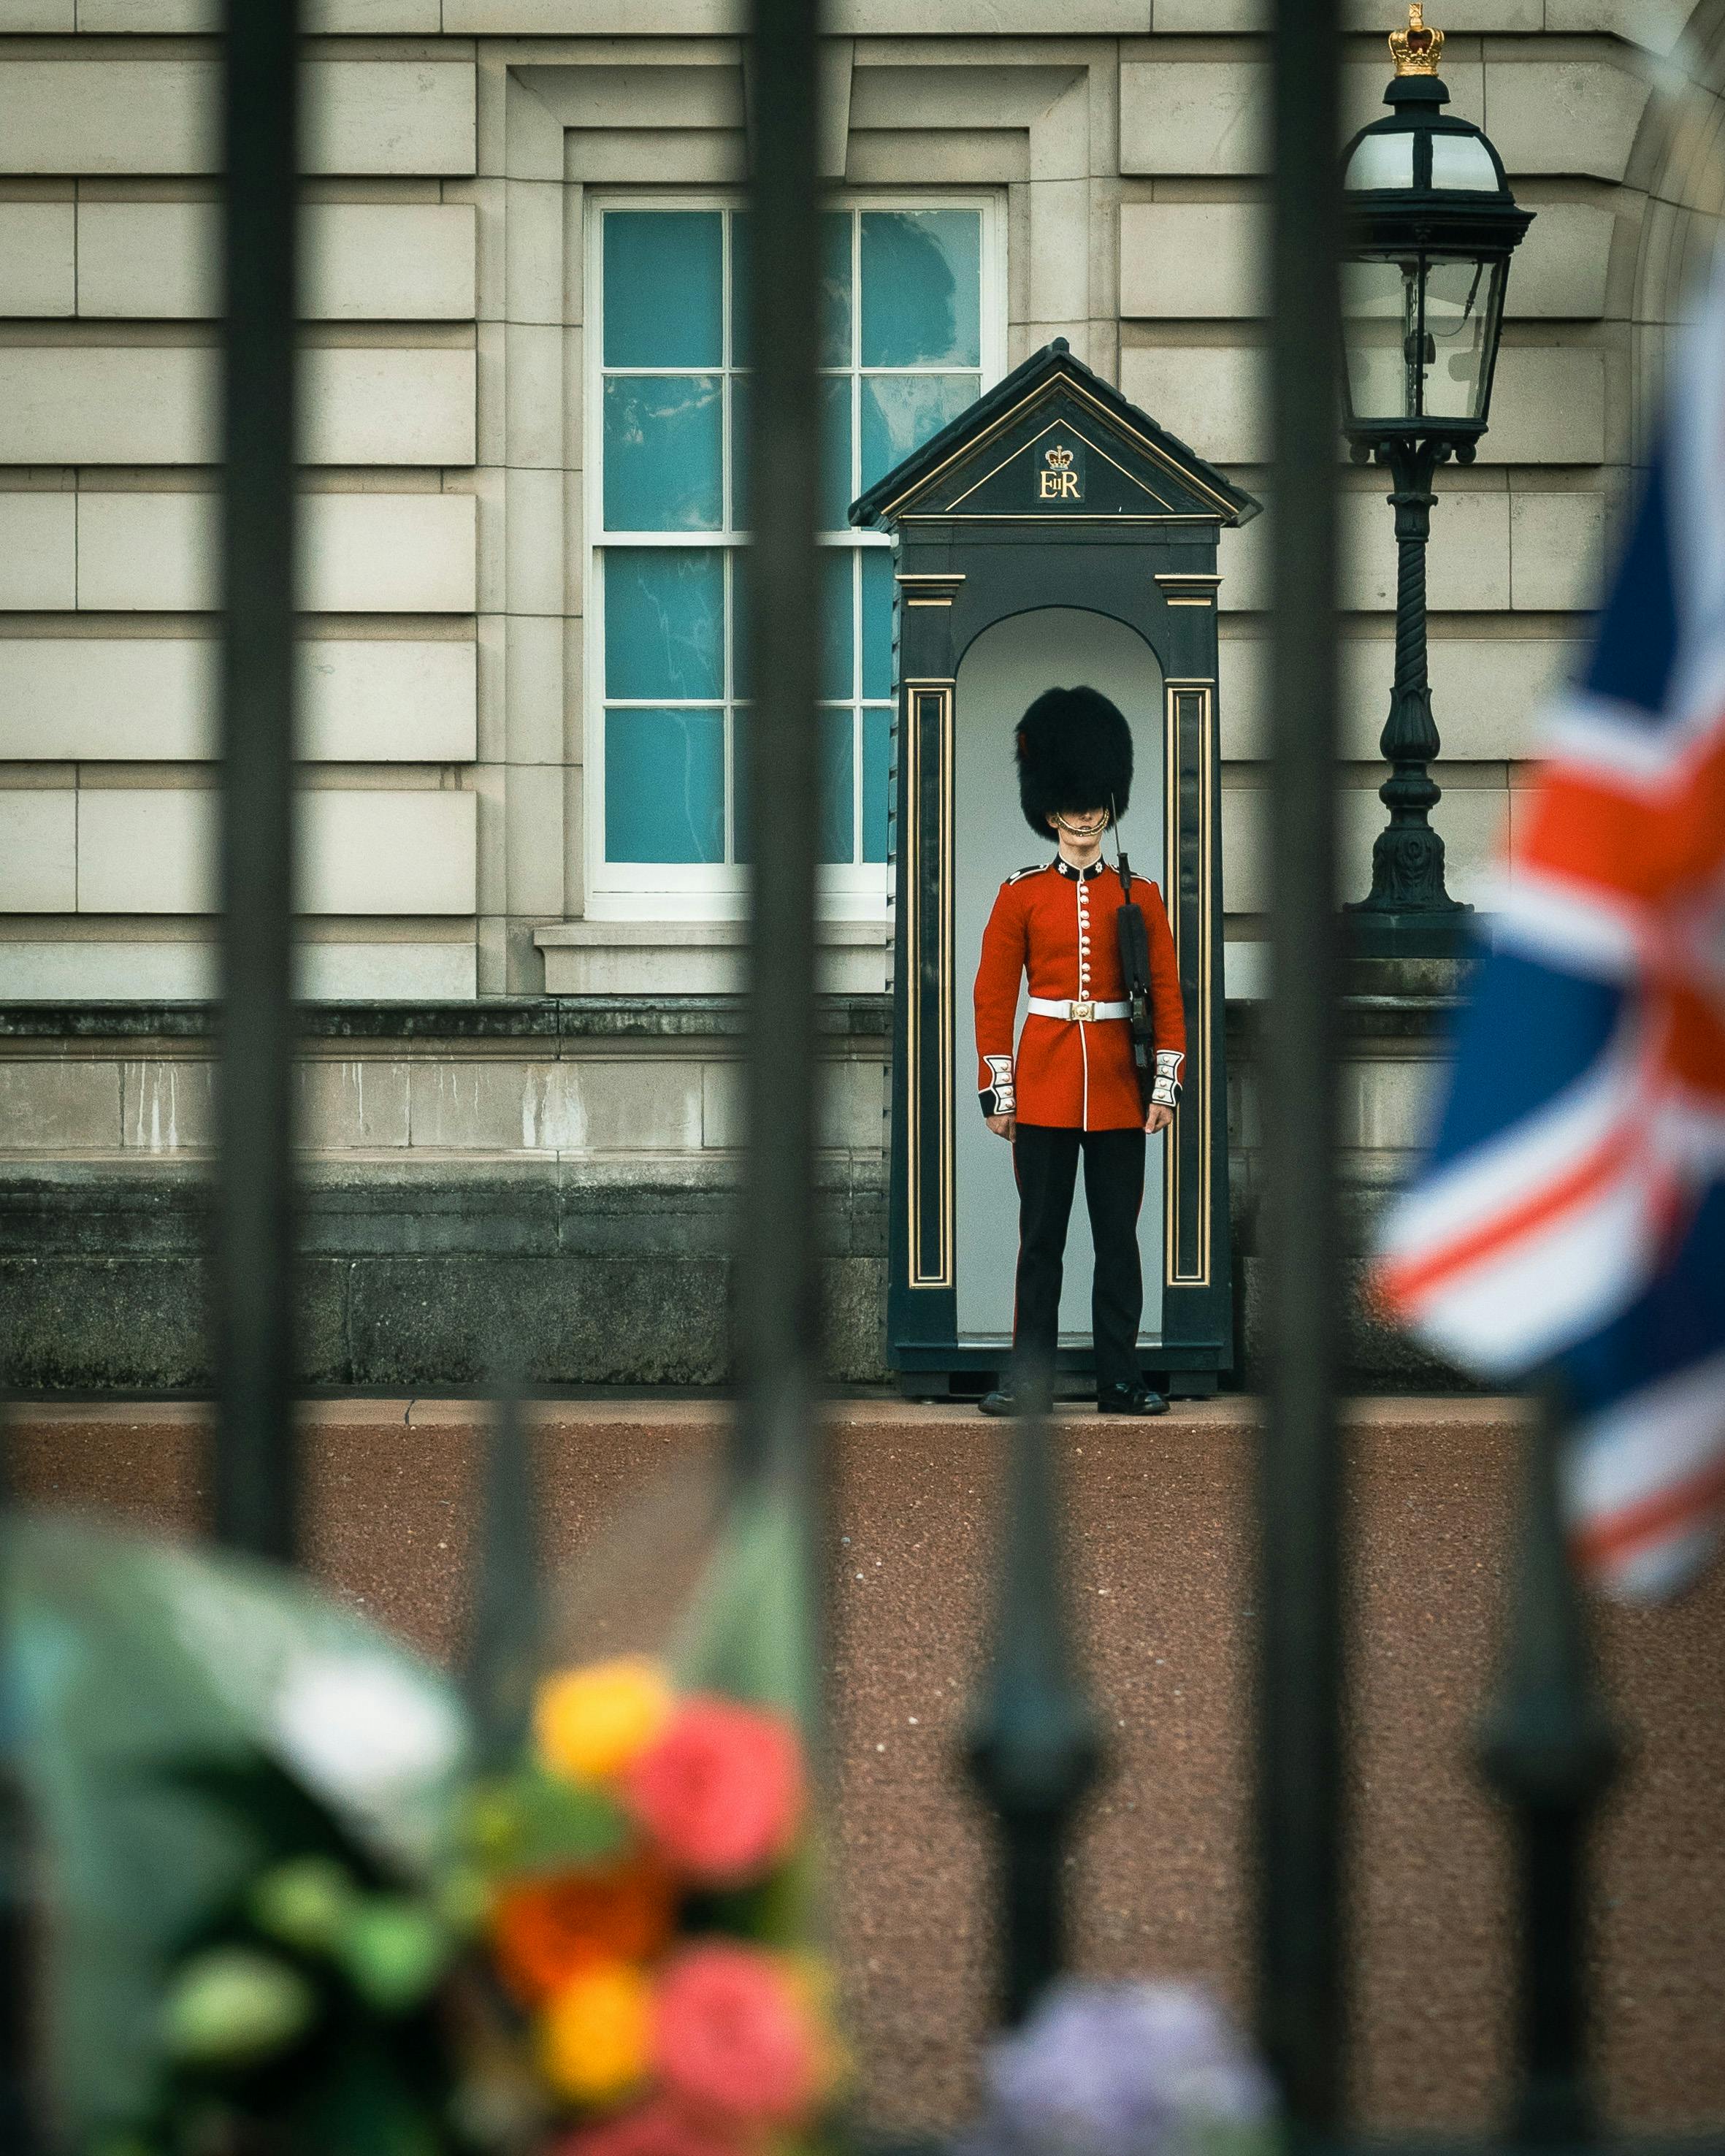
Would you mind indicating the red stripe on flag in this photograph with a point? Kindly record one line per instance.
(1604, 1545)
(1410, 1279)
(1646, 846)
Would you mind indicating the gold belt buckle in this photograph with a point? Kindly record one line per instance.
(1084, 1011)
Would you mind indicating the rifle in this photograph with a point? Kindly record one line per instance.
(1135, 972)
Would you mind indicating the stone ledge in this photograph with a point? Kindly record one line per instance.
(501, 1018)
(656, 958)
(1385, 998)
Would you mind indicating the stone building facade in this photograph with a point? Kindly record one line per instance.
(523, 845)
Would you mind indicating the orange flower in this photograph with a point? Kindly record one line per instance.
(591, 1723)
(544, 1931)
(595, 2034)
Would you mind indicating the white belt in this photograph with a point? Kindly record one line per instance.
(1046, 1007)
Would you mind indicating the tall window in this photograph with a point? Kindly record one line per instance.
(905, 346)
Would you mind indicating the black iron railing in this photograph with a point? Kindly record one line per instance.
(1034, 1740)
(1300, 1802)
(253, 1469)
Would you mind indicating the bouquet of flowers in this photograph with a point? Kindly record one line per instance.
(307, 1898)
(646, 1895)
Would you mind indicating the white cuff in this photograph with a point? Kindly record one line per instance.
(1165, 1092)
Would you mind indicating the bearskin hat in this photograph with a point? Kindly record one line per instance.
(1074, 750)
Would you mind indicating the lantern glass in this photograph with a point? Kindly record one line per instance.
(1420, 329)
(1462, 301)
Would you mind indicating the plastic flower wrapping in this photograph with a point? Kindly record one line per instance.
(303, 1902)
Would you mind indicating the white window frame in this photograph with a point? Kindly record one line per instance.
(675, 890)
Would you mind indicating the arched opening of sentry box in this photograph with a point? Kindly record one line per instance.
(1003, 670)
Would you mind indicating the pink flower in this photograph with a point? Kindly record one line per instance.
(720, 1792)
(733, 2035)
(661, 2127)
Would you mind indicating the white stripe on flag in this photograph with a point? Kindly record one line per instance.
(1513, 1167)
(1574, 927)
(1504, 1314)
(1652, 1445)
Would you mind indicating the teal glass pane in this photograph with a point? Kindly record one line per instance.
(835, 495)
(663, 286)
(837, 789)
(742, 255)
(742, 831)
(742, 667)
(665, 785)
(837, 622)
(664, 622)
(662, 468)
(741, 399)
(921, 288)
(835, 288)
(877, 621)
(838, 786)
(900, 411)
(876, 787)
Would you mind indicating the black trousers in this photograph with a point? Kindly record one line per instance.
(1045, 1162)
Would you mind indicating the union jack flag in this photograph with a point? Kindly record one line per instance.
(1572, 1212)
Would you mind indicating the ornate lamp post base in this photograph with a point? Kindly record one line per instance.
(1409, 914)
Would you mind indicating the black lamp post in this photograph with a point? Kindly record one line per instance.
(1431, 227)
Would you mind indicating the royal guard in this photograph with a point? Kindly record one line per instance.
(1079, 1081)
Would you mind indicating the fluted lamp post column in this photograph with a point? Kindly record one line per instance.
(1430, 227)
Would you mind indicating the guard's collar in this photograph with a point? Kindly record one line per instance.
(1078, 875)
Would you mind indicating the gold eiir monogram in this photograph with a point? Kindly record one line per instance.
(1057, 481)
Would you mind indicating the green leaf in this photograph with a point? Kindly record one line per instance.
(126, 1653)
(392, 1951)
(304, 1903)
(366, 2103)
(538, 1822)
(233, 2007)
(748, 1630)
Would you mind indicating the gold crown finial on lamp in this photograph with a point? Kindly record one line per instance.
(1416, 50)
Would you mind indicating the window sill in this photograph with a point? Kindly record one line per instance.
(695, 957)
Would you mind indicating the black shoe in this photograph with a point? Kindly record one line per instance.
(1130, 1400)
(999, 1402)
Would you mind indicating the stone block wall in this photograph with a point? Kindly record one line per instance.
(555, 1169)
(455, 150)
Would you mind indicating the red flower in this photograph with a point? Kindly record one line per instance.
(732, 2036)
(721, 1791)
(659, 2129)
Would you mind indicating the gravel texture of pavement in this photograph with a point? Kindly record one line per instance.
(1159, 1543)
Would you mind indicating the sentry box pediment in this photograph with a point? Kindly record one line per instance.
(1053, 442)
(1053, 533)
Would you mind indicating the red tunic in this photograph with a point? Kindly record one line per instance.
(1057, 924)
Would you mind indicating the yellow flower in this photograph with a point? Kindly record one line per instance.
(591, 1723)
(594, 2033)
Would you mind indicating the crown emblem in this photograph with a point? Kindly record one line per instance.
(1059, 459)
(1416, 50)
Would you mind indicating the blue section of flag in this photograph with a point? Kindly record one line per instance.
(1678, 1322)
(1636, 652)
(1527, 1035)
